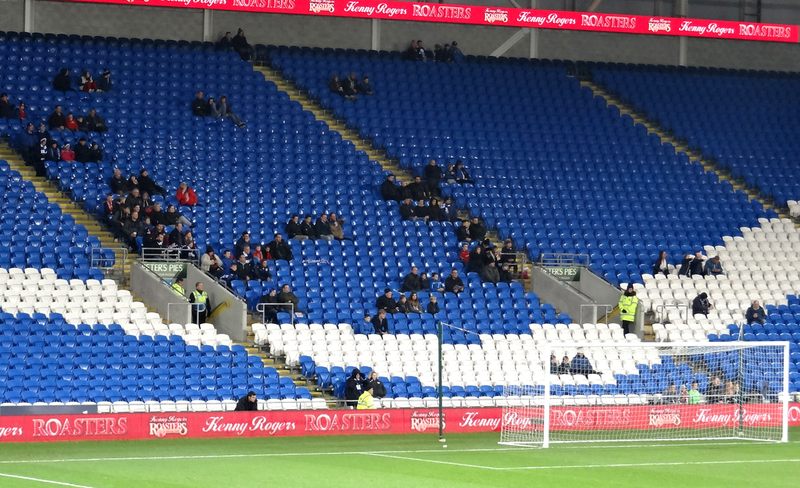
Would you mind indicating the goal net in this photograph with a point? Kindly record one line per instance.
(634, 391)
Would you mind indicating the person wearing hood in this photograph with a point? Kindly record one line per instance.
(353, 388)
(684, 269)
(701, 305)
(628, 303)
(248, 403)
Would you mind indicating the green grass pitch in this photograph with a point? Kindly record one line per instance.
(396, 461)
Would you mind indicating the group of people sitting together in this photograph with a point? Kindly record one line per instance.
(39, 146)
(448, 53)
(236, 43)
(480, 256)
(327, 226)
(350, 86)
(360, 391)
(91, 122)
(424, 186)
(579, 364)
(63, 81)
(717, 392)
(247, 261)
(692, 265)
(220, 109)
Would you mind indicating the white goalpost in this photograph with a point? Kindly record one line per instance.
(646, 392)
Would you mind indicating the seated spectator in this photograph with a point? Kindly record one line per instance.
(335, 85)
(248, 403)
(389, 189)
(716, 391)
(57, 120)
(376, 385)
(402, 304)
(670, 395)
(307, 228)
(661, 266)
(95, 153)
(683, 395)
(553, 364)
(53, 152)
(463, 233)
(455, 53)
(477, 231)
(259, 253)
(364, 86)
(412, 281)
(199, 105)
(176, 235)
(413, 304)
(67, 154)
(227, 258)
(366, 325)
(386, 302)
(323, 228)
(149, 185)
(435, 212)
(564, 367)
(226, 111)
(262, 272)
(270, 306)
(713, 267)
(104, 84)
(186, 195)
(244, 240)
(580, 365)
(508, 254)
(225, 42)
(450, 210)
(696, 267)
(732, 392)
(117, 183)
(188, 252)
(350, 86)
(755, 314)
(380, 324)
(695, 397)
(7, 110)
(336, 227)
(421, 211)
(70, 123)
(62, 81)
(94, 122)
(211, 263)
(109, 207)
(433, 305)
(172, 217)
(279, 249)
(407, 210)
(241, 46)
(21, 114)
(87, 82)
(477, 260)
(457, 173)
(684, 269)
(701, 305)
(418, 190)
(242, 269)
(83, 152)
(288, 297)
(436, 283)
(453, 283)
(424, 281)
(293, 228)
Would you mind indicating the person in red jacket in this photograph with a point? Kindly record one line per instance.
(67, 154)
(185, 195)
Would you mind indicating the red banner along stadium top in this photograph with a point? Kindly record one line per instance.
(494, 16)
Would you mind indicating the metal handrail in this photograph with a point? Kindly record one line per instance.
(171, 254)
(594, 307)
(183, 304)
(564, 259)
(680, 306)
(262, 307)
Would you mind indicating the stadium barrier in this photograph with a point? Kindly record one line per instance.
(279, 423)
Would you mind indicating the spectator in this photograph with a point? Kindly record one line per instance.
(386, 302)
(684, 269)
(7, 111)
(149, 185)
(731, 392)
(418, 190)
(755, 314)
(199, 105)
(366, 325)
(463, 232)
(279, 249)
(412, 280)
(322, 228)
(439, 54)
(455, 53)
(477, 260)
(87, 82)
(21, 114)
(248, 403)
(336, 227)
(364, 86)
(713, 267)
(661, 266)
(104, 84)
(402, 304)
(41, 157)
(307, 228)
(490, 271)
(67, 154)
(288, 297)
(420, 53)
(436, 283)
(433, 305)
(508, 253)
(477, 231)
(407, 210)
(696, 265)
(241, 269)
(244, 240)
(581, 365)
(389, 189)
(109, 207)
(57, 120)
(701, 305)
(188, 251)
(117, 183)
(211, 263)
(270, 306)
(94, 122)
(379, 323)
(453, 283)
(670, 395)
(353, 388)
(186, 195)
(226, 111)
(366, 401)
(413, 304)
(258, 253)
(62, 81)
(349, 87)
(134, 199)
(225, 42)
(564, 367)
(83, 153)
(375, 383)
(70, 123)
(176, 235)
(435, 212)
(553, 364)
(172, 217)
(457, 173)
(695, 397)
(433, 175)
(424, 281)
(262, 272)
(177, 286)
(53, 152)
(628, 303)
(241, 46)
(95, 153)
(463, 254)
(411, 52)
(335, 85)
(715, 392)
(421, 211)
(293, 228)
(683, 395)
(202, 303)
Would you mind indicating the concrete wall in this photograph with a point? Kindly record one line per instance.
(158, 296)
(229, 314)
(11, 15)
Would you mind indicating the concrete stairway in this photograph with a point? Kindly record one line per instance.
(123, 260)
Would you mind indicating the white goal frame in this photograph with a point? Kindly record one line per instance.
(540, 402)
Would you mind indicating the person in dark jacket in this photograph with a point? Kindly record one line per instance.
(713, 267)
(83, 153)
(7, 110)
(269, 303)
(149, 185)
(407, 210)
(433, 305)
(293, 228)
(307, 228)
(701, 305)
(684, 269)
(353, 388)
(225, 42)
(95, 153)
(380, 323)
(104, 84)
(349, 86)
(421, 211)
(62, 81)
(477, 231)
(661, 266)
(386, 302)
(433, 175)
(564, 367)
(755, 314)
(262, 272)
(581, 365)
(418, 190)
(279, 249)
(696, 265)
(463, 232)
(364, 86)
(53, 152)
(389, 189)
(435, 211)
(241, 46)
(248, 403)
(476, 260)
(288, 297)
(322, 228)
(94, 122)
(412, 281)
(117, 182)
(375, 383)
(57, 119)
(453, 283)
(458, 173)
(199, 105)
(244, 240)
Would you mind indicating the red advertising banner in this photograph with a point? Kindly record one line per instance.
(496, 16)
(48, 428)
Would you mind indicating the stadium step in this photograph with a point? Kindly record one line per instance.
(123, 259)
(680, 145)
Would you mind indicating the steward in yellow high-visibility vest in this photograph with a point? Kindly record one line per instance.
(628, 303)
(366, 401)
(178, 287)
(201, 303)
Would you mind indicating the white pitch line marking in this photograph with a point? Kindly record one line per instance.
(41, 480)
(431, 461)
(645, 465)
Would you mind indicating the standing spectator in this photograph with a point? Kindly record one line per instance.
(433, 305)
(57, 120)
(379, 323)
(463, 233)
(211, 263)
(477, 260)
(412, 280)
(269, 304)
(199, 105)
(186, 195)
(62, 81)
(293, 228)
(755, 314)
(453, 283)
(104, 84)
(695, 397)
(683, 395)
(701, 305)
(436, 283)
(375, 383)
(226, 111)
(41, 158)
(389, 189)
(433, 175)
(201, 303)
(413, 304)
(279, 249)
(336, 227)
(225, 42)
(188, 251)
(490, 272)
(288, 297)
(7, 111)
(364, 86)
(353, 388)
(661, 266)
(87, 82)
(386, 302)
(713, 267)
(244, 240)
(322, 228)
(628, 303)
(696, 265)
(83, 153)
(241, 46)
(248, 403)
(420, 54)
(716, 391)
(477, 231)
